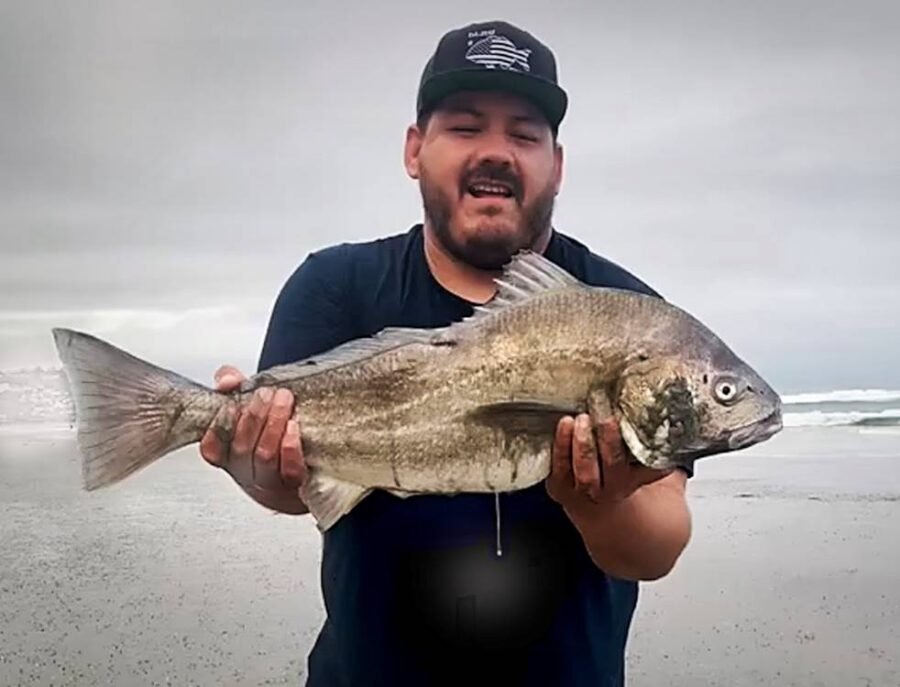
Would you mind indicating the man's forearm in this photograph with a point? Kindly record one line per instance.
(641, 537)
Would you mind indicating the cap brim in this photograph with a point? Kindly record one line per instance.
(546, 96)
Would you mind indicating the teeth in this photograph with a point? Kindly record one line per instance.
(491, 189)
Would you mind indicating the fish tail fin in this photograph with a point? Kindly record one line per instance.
(129, 412)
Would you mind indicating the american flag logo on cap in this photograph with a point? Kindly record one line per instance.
(499, 52)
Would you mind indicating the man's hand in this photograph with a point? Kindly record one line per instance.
(634, 520)
(260, 447)
(581, 474)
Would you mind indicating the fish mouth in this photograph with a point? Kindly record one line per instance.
(756, 431)
(742, 437)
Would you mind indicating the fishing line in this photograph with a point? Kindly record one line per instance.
(497, 516)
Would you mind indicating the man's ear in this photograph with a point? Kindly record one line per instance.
(557, 166)
(411, 150)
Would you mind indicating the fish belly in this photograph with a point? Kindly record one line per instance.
(452, 458)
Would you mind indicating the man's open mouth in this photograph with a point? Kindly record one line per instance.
(490, 189)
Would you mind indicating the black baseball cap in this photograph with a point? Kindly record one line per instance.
(493, 56)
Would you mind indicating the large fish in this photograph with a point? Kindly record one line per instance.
(471, 407)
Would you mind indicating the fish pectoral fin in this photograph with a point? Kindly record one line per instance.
(329, 499)
(522, 417)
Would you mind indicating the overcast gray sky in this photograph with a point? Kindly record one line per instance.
(165, 165)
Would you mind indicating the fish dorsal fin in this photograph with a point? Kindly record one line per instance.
(527, 275)
(343, 354)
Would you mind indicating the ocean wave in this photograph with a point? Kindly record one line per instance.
(36, 429)
(889, 417)
(34, 396)
(842, 396)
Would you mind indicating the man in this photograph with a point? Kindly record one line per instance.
(414, 590)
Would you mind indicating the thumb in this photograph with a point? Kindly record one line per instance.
(228, 378)
(561, 480)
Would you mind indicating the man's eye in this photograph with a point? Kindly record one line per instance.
(464, 129)
(525, 137)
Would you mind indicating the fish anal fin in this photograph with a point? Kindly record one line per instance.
(329, 499)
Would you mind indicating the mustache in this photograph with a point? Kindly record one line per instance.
(488, 172)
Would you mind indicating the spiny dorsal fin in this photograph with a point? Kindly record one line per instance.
(525, 276)
(344, 354)
(534, 269)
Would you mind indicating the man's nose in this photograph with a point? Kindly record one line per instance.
(495, 148)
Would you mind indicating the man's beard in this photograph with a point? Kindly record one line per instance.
(487, 250)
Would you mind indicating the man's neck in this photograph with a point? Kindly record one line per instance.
(460, 278)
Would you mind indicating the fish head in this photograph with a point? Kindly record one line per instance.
(676, 409)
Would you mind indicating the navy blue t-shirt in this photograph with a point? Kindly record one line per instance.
(414, 592)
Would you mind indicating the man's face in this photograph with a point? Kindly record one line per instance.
(489, 171)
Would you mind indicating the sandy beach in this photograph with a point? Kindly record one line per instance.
(176, 578)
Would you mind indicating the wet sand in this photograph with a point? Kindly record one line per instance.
(175, 577)
(792, 576)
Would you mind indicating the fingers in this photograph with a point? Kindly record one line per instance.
(214, 446)
(249, 427)
(612, 447)
(259, 446)
(561, 467)
(293, 467)
(585, 463)
(267, 454)
(559, 482)
(228, 378)
(575, 465)
(590, 462)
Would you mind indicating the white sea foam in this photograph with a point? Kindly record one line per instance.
(819, 418)
(843, 396)
(852, 407)
(36, 429)
(35, 396)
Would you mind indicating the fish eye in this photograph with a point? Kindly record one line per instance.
(726, 389)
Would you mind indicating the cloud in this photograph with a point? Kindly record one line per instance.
(110, 321)
(192, 341)
(168, 158)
